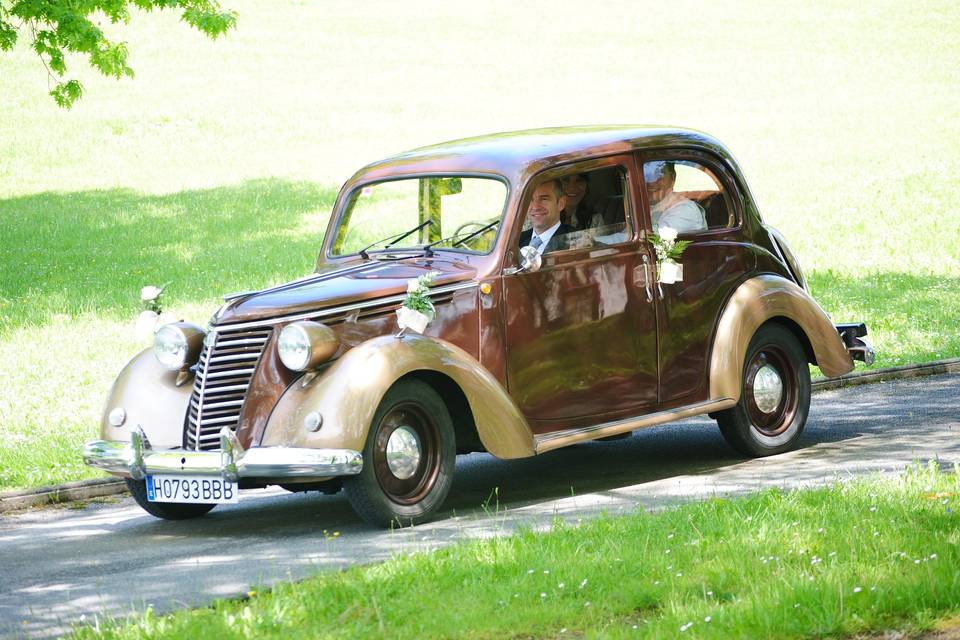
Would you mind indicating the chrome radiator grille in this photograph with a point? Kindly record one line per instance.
(223, 376)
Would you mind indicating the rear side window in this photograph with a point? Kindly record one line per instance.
(686, 196)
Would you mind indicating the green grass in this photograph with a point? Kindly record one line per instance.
(70, 295)
(215, 167)
(858, 557)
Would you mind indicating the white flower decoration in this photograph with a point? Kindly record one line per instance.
(149, 293)
(668, 233)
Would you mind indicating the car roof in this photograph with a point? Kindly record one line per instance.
(518, 154)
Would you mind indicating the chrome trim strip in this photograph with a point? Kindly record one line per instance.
(237, 357)
(332, 311)
(229, 373)
(220, 420)
(244, 342)
(234, 387)
(220, 405)
(549, 441)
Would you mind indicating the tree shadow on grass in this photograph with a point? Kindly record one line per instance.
(91, 251)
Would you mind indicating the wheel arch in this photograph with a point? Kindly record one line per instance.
(464, 424)
(348, 392)
(797, 332)
(771, 298)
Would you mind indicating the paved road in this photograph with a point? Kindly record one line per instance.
(59, 566)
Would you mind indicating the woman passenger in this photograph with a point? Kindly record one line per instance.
(577, 213)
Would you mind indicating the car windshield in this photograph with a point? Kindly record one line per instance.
(452, 212)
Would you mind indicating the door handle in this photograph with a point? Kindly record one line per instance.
(646, 277)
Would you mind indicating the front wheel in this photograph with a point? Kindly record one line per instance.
(165, 510)
(774, 396)
(408, 458)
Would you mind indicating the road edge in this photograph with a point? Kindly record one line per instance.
(86, 489)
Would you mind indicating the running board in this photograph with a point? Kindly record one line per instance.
(557, 439)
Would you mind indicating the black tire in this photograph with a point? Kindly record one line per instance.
(410, 495)
(165, 510)
(763, 426)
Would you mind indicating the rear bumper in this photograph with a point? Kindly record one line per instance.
(137, 460)
(853, 336)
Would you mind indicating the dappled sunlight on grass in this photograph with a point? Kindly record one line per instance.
(70, 279)
(70, 253)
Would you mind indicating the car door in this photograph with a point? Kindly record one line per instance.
(703, 203)
(580, 332)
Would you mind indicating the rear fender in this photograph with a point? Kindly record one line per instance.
(759, 300)
(347, 393)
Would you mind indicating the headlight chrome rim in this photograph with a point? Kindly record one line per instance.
(177, 345)
(294, 347)
(306, 344)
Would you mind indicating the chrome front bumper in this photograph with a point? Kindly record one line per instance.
(138, 460)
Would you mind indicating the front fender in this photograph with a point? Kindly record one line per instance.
(755, 302)
(149, 394)
(346, 396)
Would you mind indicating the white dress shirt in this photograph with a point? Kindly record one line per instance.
(544, 237)
(680, 213)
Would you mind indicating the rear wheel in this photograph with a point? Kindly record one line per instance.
(775, 395)
(408, 458)
(165, 510)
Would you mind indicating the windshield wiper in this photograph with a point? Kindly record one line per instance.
(463, 239)
(392, 239)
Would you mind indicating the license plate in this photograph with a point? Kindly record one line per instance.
(192, 489)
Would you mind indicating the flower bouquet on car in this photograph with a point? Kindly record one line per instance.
(152, 317)
(669, 250)
(417, 310)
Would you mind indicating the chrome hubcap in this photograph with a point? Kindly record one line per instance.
(767, 389)
(403, 452)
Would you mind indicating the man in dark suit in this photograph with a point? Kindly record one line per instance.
(547, 232)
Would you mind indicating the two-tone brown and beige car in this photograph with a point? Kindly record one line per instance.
(311, 386)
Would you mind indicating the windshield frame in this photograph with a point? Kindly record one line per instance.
(345, 201)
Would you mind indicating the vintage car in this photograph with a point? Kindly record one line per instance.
(312, 385)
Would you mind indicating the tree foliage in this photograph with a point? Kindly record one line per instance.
(56, 27)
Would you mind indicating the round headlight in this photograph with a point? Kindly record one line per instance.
(177, 345)
(305, 344)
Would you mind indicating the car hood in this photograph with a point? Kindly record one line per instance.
(341, 285)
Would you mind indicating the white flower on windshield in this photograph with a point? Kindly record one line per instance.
(668, 233)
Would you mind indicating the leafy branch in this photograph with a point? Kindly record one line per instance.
(58, 27)
(668, 248)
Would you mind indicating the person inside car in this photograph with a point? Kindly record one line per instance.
(576, 213)
(668, 208)
(547, 232)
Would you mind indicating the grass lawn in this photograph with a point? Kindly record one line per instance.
(214, 169)
(865, 556)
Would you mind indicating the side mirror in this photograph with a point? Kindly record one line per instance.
(530, 259)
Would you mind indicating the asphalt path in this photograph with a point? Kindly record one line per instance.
(64, 566)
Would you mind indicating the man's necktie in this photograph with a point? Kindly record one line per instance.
(535, 242)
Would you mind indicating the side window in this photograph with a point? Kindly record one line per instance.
(686, 196)
(596, 210)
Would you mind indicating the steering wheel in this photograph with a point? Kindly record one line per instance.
(465, 230)
(467, 225)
